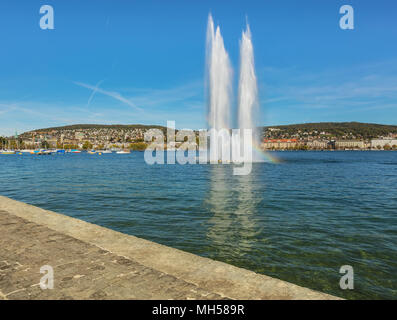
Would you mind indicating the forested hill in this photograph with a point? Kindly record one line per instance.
(100, 126)
(339, 129)
(334, 129)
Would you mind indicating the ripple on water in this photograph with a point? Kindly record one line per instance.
(298, 221)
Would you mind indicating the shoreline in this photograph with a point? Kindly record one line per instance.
(85, 255)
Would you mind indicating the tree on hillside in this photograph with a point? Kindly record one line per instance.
(3, 143)
(45, 144)
(139, 146)
(87, 145)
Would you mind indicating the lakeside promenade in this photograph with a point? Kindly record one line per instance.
(92, 262)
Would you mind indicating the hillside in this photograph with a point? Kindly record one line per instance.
(344, 130)
(337, 129)
(99, 126)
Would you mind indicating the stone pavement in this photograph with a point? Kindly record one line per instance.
(81, 270)
(91, 262)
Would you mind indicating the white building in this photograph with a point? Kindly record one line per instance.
(317, 144)
(381, 143)
(349, 144)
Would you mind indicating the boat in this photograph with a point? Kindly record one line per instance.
(43, 152)
(123, 152)
(91, 152)
(104, 151)
(75, 151)
(7, 152)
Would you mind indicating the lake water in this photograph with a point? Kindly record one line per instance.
(299, 220)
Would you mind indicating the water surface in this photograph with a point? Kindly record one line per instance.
(299, 220)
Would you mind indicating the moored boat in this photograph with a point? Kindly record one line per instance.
(123, 152)
(42, 152)
(7, 152)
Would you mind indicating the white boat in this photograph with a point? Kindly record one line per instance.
(123, 152)
(105, 151)
(7, 152)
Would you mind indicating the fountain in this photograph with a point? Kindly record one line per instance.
(248, 89)
(219, 85)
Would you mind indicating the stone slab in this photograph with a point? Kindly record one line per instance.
(92, 262)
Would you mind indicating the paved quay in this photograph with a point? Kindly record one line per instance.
(92, 262)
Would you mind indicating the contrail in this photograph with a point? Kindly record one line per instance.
(93, 93)
(112, 94)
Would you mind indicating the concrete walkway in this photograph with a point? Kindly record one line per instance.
(91, 262)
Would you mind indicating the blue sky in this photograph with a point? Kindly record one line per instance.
(147, 60)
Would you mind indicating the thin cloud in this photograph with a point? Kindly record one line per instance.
(7, 108)
(159, 98)
(93, 92)
(111, 94)
(336, 89)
